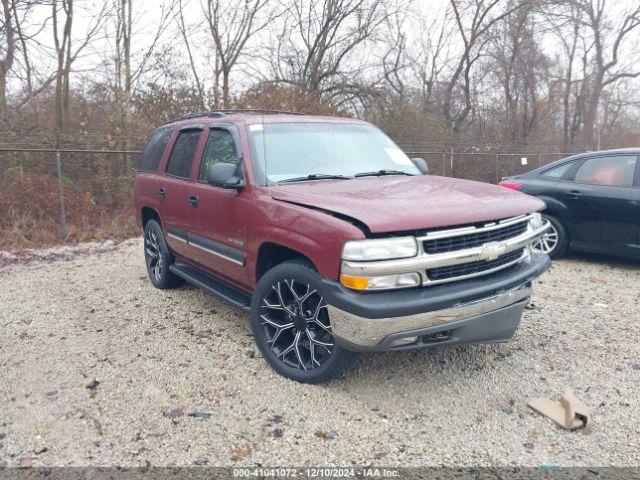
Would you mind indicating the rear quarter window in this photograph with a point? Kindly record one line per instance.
(559, 171)
(152, 153)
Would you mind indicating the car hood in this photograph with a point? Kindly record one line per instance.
(402, 203)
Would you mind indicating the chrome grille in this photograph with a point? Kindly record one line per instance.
(455, 254)
(474, 268)
(473, 239)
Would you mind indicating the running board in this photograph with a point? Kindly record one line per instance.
(213, 285)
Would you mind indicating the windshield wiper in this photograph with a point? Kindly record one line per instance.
(380, 173)
(315, 176)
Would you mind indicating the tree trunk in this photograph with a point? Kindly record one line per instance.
(225, 89)
(591, 113)
(7, 62)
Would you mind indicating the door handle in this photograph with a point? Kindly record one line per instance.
(161, 192)
(574, 194)
(193, 201)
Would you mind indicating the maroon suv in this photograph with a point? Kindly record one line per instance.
(332, 238)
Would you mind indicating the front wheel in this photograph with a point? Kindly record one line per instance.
(291, 325)
(554, 242)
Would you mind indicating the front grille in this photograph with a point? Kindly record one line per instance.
(471, 240)
(473, 268)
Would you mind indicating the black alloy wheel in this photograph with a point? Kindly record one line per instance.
(291, 324)
(158, 257)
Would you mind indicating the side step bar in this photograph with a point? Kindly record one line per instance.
(207, 282)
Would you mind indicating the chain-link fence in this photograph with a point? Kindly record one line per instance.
(82, 194)
(488, 166)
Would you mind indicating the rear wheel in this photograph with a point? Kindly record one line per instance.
(158, 257)
(291, 325)
(554, 242)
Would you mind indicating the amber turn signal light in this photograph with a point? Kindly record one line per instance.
(357, 283)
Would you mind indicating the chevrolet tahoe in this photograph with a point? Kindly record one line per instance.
(331, 238)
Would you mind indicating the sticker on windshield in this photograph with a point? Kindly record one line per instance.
(397, 156)
(256, 127)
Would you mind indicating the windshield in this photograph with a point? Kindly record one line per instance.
(289, 151)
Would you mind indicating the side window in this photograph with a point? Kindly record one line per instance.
(220, 148)
(183, 152)
(152, 153)
(612, 171)
(559, 171)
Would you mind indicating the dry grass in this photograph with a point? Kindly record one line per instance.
(20, 232)
(30, 213)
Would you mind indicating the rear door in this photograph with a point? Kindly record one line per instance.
(605, 204)
(218, 231)
(176, 190)
(149, 180)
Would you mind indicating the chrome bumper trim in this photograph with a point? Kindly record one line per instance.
(367, 332)
(424, 261)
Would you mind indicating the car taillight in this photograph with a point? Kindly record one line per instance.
(511, 185)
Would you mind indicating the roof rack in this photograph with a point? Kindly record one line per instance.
(229, 111)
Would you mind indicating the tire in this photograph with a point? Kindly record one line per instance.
(555, 242)
(291, 325)
(158, 257)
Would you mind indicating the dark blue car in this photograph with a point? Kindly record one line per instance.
(593, 202)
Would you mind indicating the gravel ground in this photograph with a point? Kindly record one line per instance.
(99, 368)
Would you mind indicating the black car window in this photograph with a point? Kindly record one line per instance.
(559, 171)
(182, 154)
(152, 153)
(220, 148)
(612, 171)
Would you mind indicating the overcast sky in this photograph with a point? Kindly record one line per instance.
(147, 18)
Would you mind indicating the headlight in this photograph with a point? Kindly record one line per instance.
(380, 249)
(381, 282)
(536, 220)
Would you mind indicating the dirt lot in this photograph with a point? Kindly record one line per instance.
(99, 368)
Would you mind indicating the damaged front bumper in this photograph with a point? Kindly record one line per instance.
(485, 310)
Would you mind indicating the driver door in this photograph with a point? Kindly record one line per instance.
(218, 222)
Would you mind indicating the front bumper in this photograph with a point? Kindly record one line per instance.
(471, 311)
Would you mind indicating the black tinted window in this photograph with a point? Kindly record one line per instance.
(612, 171)
(152, 153)
(220, 148)
(182, 154)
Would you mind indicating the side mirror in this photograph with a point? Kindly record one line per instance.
(421, 165)
(224, 175)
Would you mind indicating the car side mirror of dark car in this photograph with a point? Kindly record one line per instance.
(224, 175)
(421, 164)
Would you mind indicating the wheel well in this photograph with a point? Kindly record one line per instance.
(149, 214)
(272, 254)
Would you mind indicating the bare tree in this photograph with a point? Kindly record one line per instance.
(395, 60)
(66, 53)
(474, 20)
(608, 32)
(569, 36)
(192, 64)
(518, 64)
(429, 57)
(318, 41)
(232, 25)
(131, 65)
(7, 54)
(124, 25)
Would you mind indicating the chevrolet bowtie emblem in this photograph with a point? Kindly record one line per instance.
(492, 250)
